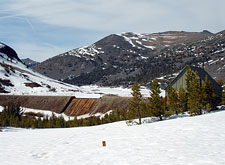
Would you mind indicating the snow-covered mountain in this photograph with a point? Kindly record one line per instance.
(17, 78)
(120, 59)
(184, 141)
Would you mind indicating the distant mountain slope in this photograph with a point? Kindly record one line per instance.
(120, 59)
(208, 53)
(18, 79)
(29, 62)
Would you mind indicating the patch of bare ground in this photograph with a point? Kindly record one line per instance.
(6, 82)
(33, 114)
(2, 90)
(32, 85)
(81, 106)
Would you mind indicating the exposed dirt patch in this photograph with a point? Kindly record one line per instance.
(32, 85)
(33, 114)
(80, 106)
(6, 82)
(2, 90)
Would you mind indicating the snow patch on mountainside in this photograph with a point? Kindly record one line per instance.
(138, 40)
(129, 40)
(150, 47)
(85, 51)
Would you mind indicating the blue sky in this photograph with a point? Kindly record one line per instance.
(40, 29)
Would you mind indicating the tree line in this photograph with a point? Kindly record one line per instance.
(198, 97)
(13, 116)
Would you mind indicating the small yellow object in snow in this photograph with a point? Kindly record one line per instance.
(103, 143)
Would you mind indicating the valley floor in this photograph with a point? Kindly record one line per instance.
(191, 141)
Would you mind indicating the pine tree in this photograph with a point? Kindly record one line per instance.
(156, 102)
(173, 100)
(220, 82)
(75, 122)
(105, 119)
(135, 107)
(182, 100)
(40, 123)
(188, 79)
(194, 96)
(124, 114)
(118, 115)
(208, 95)
(11, 115)
(223, 96)
(52, 121)
(60, 122)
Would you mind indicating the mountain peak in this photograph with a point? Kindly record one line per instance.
(119, 59)
(6, 50)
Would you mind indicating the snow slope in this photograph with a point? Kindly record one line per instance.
(184, 141)
(19, 75)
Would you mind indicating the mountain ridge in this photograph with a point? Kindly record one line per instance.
(120, 59)
(29, 62)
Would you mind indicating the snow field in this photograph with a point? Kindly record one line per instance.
(67, 118)
(187, 141)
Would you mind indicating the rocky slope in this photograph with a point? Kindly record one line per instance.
(18, 79)
(123, 58)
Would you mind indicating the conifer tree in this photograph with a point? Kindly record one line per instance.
(182, 100)
(188, 79)
(194, 96)
(135, 108)
(11, 115)
(60, 122)
(173, 100)
(124, 114)
(223, 96)
(156, 102)
(40, 123)
(105, 119)
(220, 82)
(74, 123)
(208, 95)
(52, 120)
(216, 100)
(118, 115)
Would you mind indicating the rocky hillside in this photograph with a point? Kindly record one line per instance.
(120, 59)
(18, 79)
